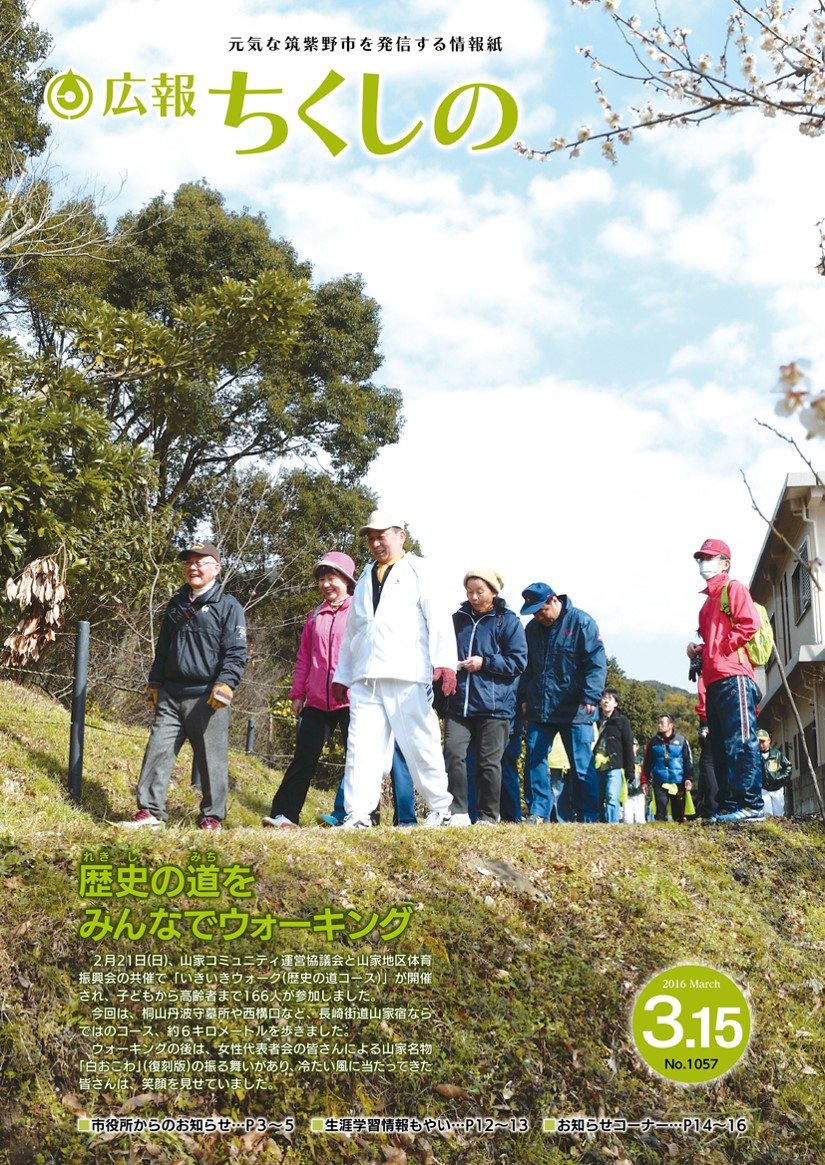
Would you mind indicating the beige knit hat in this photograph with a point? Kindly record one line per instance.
(492, 578)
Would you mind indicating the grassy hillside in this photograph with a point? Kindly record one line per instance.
(536, 939)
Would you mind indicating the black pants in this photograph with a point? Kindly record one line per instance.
(675, 800)
(707, 781)
(314, 730)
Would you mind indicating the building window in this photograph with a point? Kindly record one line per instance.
(810, 740)
(801, 585)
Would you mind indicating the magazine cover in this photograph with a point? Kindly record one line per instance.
(411, 418)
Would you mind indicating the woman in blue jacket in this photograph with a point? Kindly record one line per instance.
(492, 654)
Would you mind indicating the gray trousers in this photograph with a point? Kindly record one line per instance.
(489, 736)
(177, 719)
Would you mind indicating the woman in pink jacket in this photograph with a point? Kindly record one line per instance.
(311, 695)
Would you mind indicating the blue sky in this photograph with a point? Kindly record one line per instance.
(582, 347)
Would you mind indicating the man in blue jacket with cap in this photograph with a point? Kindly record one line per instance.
(559, 693)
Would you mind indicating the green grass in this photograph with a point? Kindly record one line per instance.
(533, 977)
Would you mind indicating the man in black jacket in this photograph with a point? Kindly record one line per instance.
(199, 660)
(614, 755)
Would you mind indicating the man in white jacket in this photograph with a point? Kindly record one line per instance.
(399, 639)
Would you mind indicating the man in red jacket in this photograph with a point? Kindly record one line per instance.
(731, 693)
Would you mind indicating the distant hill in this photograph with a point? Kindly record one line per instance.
(662, 689)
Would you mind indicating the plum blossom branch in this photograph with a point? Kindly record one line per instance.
(763, 65)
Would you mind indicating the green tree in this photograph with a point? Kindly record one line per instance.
(203, 367)
(22, 47)
(63, 474)
(173, 249)
(209, 346)
(636, 699)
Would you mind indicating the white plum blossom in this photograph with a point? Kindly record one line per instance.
(813, 418)
(795, 396)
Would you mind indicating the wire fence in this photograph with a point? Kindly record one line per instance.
(263, 725)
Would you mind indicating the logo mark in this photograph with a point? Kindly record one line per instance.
(69, 96)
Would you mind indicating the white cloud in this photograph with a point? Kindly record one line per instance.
(554, 196)
(729, 345)
(627, 240)
(588, 491)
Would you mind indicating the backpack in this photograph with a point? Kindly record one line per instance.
(760, 647)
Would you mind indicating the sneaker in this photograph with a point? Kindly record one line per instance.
(353, 822)
(328, 820)
(534, 821)
(740, 816)
(484, 821)
(142, 817)
(209, 823)
(459, 819)
(436, 817)
(279, 822)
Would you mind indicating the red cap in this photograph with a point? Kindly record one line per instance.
(711, 547)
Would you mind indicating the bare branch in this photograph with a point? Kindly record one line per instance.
(805, 565)
(33, 225)
(793, 444)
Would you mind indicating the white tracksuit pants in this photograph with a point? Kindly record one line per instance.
(380, 710)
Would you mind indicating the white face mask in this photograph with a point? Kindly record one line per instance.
(710, 567)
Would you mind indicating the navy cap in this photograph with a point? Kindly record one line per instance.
(535, 597)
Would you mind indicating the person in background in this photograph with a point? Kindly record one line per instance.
(633, 810)
(314, 704)
(510, 803)
(557, 781)
(492, 651)
(615, 761)
(403, 797)
(558, 767)
(668, 768)
(776, 775)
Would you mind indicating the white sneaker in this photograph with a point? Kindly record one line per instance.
(436, 817)
(279, 822)
(459, 819)
(484, 821)
(353, 822)
(142, 817)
